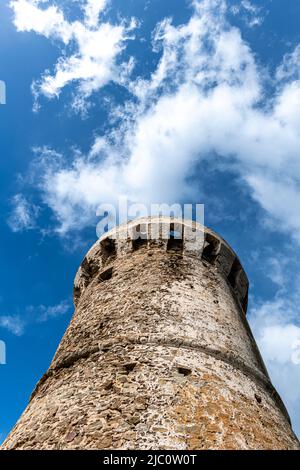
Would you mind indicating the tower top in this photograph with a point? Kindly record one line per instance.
(177, 236)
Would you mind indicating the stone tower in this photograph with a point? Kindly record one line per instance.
(159, 354)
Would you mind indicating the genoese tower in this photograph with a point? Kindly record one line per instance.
(158, 354)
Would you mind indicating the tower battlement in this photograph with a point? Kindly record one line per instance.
(171, 235)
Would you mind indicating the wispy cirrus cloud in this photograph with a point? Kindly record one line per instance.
(23, 215)
(12, 323)
(250, 13)
(17, 324)
(46, 312)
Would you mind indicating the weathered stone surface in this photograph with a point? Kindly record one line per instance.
(158, 355)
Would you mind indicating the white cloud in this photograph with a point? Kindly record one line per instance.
(276, 327)
(252, 14)
(50, 22)
(92, 10)
(290, 67)
(17, 324)
(23, 215)
(92, 47)
(275, 269)
(205, 98)
(45, 313)
(12, 323)
(280, 343)
(276, 330)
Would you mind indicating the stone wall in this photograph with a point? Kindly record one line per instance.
(158, 355)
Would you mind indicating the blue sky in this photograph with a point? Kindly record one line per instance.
(171, 101)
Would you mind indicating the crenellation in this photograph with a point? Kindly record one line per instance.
(172, 235)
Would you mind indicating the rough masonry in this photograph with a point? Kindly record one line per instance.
(158, 354)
